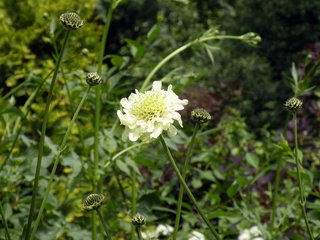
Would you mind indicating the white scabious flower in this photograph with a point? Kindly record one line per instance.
(164, 230)
(196, 236)
(147, 115)
(251, 234)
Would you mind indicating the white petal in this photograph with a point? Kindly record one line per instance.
(156, 85)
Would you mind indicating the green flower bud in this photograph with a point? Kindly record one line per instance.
(200, 115)
(71, 20)
(251, 38)
(93, 201)
(293, 104)
(138, 220)
(93, 78)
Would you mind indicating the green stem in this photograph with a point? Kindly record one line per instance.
(62, 148)
(97, 116)
(43, 134)
(5, 224)
(138, 230)
(179, 50)
(184, 175)
(124, 198)
(134, 200)
(275, 193)
(302, 198)
(193, 200)
(103, 223)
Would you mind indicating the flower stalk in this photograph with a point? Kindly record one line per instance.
(62, 148)
(184, 175)
(134, 200)
(43, 134)
(302, 198)
(95, 182)
(5, 224)
(185, 186)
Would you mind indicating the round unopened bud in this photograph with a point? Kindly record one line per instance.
(93, 201)
(293, 104)
(93, 78)
(71, 20)
(200, 115)
(138, 220)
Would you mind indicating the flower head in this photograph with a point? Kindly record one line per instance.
(71, 20)
(93, 78)
(293, 104)
(93, 201)
(148, 114)
(138, 220)
(200, 115)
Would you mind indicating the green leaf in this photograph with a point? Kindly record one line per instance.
(137, 50)
(236, 185)
(252, 159)
(118, 61)
(196, 183)
(153, 33)
(123, 167)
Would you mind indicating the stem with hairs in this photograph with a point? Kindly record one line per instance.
(62, 148)
(184, 175)
(43, 134)
(302, 198)
(185, 186)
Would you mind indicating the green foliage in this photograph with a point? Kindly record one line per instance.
(235, 157)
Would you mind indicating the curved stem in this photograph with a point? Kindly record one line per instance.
(179, 50)
(134, 200)
(43, 133)
(4, 222)
(190, 195)
(302, 198)
(184, 175)
(103, 223)
(62, 148)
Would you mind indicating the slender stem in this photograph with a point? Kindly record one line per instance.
(103, 223)
(138, 231)
(134, 200)
(62, 148)
(97, 115)
(179, 50)
(275, 193)
(5, 224)
(193, 200)
(43, 133)
(124, 198)
(184, 175)
(302, 198)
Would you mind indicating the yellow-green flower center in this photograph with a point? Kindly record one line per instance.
(150, 107)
